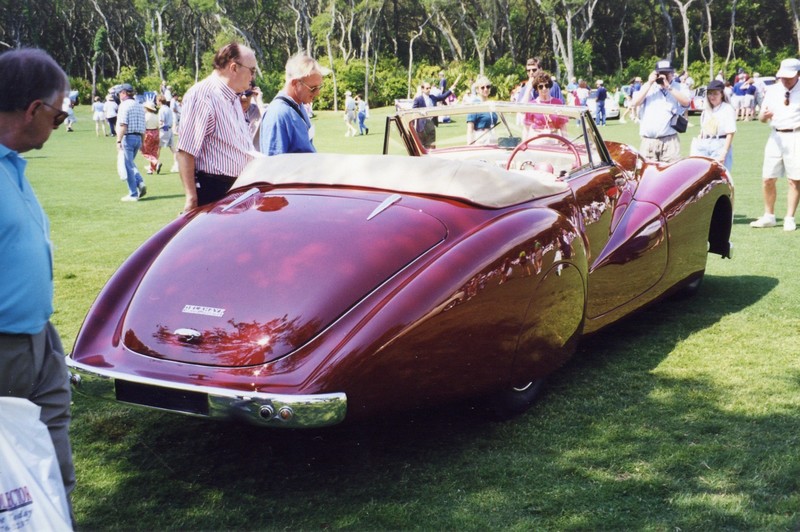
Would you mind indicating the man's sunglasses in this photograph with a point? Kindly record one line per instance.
(60, 115)
(313, 89)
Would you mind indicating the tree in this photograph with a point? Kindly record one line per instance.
(683, 8)
(568, 10)
(414, 37)
(368, 11)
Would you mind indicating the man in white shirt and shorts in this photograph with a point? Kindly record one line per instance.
(781, 109)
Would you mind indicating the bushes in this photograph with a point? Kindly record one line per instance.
(389, 80)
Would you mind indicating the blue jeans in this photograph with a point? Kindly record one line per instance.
(131, 144)
(362, 115)
(601, 112)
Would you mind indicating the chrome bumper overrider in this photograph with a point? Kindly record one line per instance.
(266, 409)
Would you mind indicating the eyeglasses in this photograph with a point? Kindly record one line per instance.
(251, 69)
(786, 98)
(483, 87)
(60, 115)
(534, 69)
(541, 86)
(313, 89)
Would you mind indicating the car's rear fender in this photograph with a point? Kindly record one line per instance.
(452, 327)
(696, 197)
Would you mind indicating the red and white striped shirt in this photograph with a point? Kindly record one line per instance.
(213, 128)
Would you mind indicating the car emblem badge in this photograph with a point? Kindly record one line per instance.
(203, 311)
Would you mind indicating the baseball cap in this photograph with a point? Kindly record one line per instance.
(789, 68)
(664, 66)
(716, 85)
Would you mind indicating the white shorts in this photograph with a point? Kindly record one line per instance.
(166, 138)
(782, 156)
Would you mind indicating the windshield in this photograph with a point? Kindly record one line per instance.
(512, 136)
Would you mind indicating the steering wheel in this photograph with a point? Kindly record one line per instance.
(524, 146)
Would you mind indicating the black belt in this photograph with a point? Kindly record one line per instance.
(664, 137)
(217, 177)
(139, 134)
(787, 130)
(714, 137)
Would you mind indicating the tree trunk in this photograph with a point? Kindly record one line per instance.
(114, 50)
(796, 21)
(710, 41)
(731, 42)
(671, 28)
(329, 47)
(684, 8)
(411, 53)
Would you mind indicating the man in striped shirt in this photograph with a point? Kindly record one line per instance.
(214, 144)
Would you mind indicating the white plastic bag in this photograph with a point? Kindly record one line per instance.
(123, 174)
(32, 494)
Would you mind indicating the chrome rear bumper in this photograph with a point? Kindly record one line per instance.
(265, 409)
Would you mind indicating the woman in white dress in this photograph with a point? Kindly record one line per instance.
(99, 116)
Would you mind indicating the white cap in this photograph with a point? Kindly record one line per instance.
(599, 81)
(789, 68)
(348, 93)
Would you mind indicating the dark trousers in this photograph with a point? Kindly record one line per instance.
(33, 367)
(211, 187)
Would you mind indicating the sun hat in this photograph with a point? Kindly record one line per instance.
(789, 68)
(664, 66)
(150, 106)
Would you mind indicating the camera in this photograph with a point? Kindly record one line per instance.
(661, 80)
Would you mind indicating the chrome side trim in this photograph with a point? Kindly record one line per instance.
(265, 409)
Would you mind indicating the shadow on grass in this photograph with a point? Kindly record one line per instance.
(609, 438)
(161, 197)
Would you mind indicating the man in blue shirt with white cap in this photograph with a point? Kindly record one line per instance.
(661, 100)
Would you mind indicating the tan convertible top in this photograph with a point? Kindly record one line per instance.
(480, 184)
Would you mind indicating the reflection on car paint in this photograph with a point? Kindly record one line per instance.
(526, 263)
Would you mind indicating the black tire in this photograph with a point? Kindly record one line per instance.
(691, 288)
(516, 401)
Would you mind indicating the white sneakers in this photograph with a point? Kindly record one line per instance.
(769, 220)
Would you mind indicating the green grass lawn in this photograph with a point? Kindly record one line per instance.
(684, 417)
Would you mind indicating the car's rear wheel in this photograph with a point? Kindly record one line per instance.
(515, 401)
(691, 288)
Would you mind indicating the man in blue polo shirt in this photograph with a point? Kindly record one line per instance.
(286, 127)
(661, 101)
(32, 365)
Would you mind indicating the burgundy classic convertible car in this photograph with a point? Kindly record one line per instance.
(464, 261)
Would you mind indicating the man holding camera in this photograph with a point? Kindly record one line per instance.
(661, 101)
